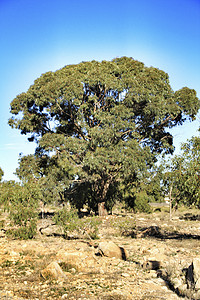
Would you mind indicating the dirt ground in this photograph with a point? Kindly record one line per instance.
(154, 238)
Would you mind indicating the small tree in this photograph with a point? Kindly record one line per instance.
(21, 201)
(183, 175)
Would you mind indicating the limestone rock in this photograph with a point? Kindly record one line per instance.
(196, 269)
(80, 261)
(51, 230)
(53, 271)
(110, 249)
(177, 283)
(193, 274)
(197, 285)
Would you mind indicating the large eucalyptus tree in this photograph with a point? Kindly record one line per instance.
(98, 124)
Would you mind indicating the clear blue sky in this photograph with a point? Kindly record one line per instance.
(41, 35)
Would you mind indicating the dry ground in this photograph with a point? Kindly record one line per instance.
(155, 238)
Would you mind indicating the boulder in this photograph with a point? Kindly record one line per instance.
(53, 271)
(110, 249)
(193, 274)
(51, 230)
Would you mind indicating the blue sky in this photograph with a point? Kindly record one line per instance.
(37, 36)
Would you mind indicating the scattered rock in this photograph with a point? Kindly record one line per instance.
(110, 249)
(51, 230)
(197, 284)
(98, 277)
(193, 274)
(53, 271)
(125, 275)
(177, 282)
(150, 231)
(182, 289)
(196, 269)
(76, 260)
(151, 265)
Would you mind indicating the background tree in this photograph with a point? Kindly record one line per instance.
(183, 174)
(102, 123)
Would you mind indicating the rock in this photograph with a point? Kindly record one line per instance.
(196, 269)
(51, 230)
(197, 296)
(189, 276)
(14, 256)
(182, 289)
(76, 260)
(53, 271)
(150, 231)
(110, 249)
(197, 284)
(153, 274)
(193, 274)
(151, 265)
(125, 275)
(177, 283)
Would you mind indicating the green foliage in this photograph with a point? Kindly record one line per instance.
(70, 222)
(153, 186)
(142, 202)
(21, 201)
(90, 227)
(67, 219)
(98, 125)
(1, 174)
(24, 233)
(52, 179)
(183, 174)
(125, 225)
(7, 191)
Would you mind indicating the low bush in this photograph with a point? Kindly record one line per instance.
(70, 222)
(126, 226)
(21, 202)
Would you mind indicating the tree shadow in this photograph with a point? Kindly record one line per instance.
(124, 255)
(158, 233)
(190, 217)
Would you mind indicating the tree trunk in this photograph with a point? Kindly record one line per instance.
(170, 203)
(102, 211)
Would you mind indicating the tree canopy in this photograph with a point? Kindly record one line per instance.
(99, 125)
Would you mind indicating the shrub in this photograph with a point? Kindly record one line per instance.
(125, 225)
(24, 233)
(21, 202)
(142, 202)
(90, 227)
(67, 219)
(70, 222)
